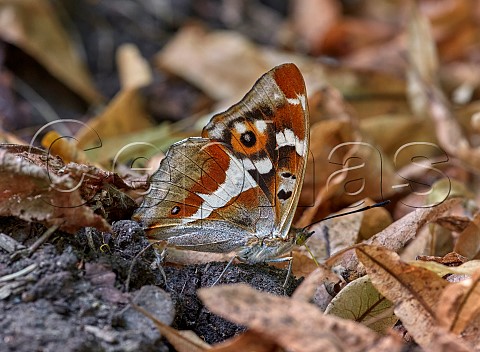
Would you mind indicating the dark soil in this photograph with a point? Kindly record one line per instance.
(75, 294)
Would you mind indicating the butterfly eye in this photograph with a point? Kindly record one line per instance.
(248, 139)
(175, 210)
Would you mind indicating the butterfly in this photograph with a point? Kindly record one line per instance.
(237, 187)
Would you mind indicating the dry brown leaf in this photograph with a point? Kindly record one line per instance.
(453, 222)
(353, 34)
(125, 113)
(460, 304)
(384, 57)
(65, 148)
(468, 242)
(448, 130)
(374, 221)
(414, 291)
(183, 341)
(294, 325)
(32, 191)
(33, 26)
(312, 20)
(210, 61)
(302, 263)
(449, 259)
(392, 131)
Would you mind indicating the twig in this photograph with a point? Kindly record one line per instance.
(19, 273)
(42, 239)
(9, 244)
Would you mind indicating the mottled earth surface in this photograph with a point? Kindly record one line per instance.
(73, 292)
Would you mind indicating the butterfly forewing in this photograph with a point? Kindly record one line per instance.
(268, 132)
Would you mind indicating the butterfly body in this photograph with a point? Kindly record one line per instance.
(237, 187)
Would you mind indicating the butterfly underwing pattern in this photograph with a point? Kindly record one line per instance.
(237, 187)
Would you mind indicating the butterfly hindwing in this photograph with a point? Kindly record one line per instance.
(267, 131)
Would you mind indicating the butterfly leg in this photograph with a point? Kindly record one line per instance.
(160, 251)
(289, 269)
(224, 270)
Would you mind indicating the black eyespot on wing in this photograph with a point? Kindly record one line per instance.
(286, 174)
(282, 195)
(175, 210)
(248, 139)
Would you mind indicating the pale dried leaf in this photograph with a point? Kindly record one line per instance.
(293, 324)
(342, 232)
(395, 236)
(133, 70)
(423, 60)
(307, 288)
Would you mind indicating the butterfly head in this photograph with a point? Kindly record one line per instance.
(301, 236)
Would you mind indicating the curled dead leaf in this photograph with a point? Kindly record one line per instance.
(468, 242)
(467, 268)
(32, 192)
(459, 304)
(395, 236)
(39, 187)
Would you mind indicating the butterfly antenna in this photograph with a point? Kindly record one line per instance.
(376, 205)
